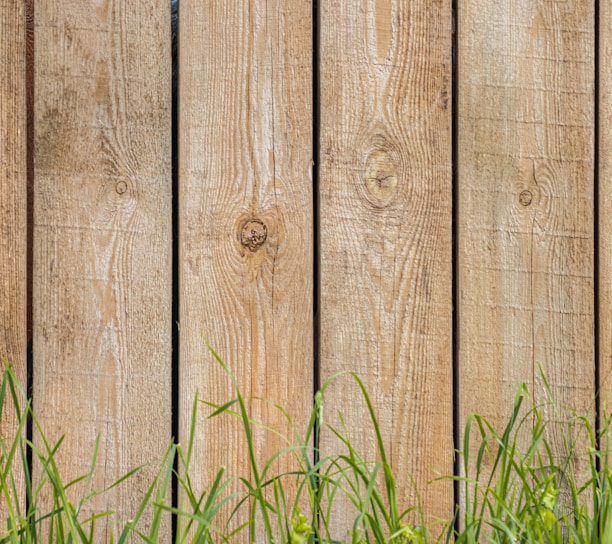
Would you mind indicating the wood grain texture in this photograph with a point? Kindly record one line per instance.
(13, 203)
(385, 233)
(102, 239)
(525, 232)
(604, 290)
(246, 250)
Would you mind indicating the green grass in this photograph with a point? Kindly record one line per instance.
(515, 489)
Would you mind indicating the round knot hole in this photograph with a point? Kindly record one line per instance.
(254, 234)
(121, 187)
(525, 198)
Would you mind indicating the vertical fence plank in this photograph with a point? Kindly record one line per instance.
(605, 205)
(525, 178)
(245, 219)
(12, 202)
(102, 238)
(385, 200)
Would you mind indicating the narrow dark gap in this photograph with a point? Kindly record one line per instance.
(175, 255)
(316, 116)
(455, 265)
(598, 407)
(29, 82)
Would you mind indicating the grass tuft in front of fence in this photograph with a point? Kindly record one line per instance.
(514, 493)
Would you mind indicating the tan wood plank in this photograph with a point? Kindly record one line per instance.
(605, 205)
(13, 203)
(102, 239)
(386, 267)
(525, 178)
(245, 196)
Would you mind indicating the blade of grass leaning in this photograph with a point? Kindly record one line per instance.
(213, 504)
(388, 474)
(203, 514)
(300, 452)
(130, 526)
(185, 463)
(280, 506)
(258, 492)
(17, 396)
(162, 493)
(357, 466)
(362, 491)
(500, 465)
(9, 488)
(50, 468)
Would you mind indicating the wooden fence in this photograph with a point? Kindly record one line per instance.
(415, 190)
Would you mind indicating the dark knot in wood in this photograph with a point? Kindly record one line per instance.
(254, 234)
(525, 198)
(121, 187)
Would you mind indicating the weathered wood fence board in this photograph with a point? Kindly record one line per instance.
(13, 197)
(246, 220)
(385, 228)
(102, 237)
(525, 176)
(604, 143)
